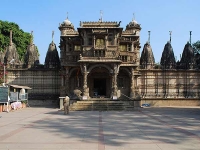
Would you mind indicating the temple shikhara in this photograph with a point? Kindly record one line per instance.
(102, 61)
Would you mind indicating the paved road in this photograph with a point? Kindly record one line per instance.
(145, 129)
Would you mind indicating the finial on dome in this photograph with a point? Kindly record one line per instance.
(170, 34)
(52, 35)
(31, 40)
(190, 37)
(149, 36)
(67, 22)
(133, 17)
(101, 16)
(10, 37)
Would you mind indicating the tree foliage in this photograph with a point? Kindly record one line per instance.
(20, 38)
(196, 47)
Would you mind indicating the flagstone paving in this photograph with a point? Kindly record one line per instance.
(163, 128)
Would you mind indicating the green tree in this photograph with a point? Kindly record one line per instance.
(20, 38)
(196, 47)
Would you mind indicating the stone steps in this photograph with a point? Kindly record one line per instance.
(102, 105)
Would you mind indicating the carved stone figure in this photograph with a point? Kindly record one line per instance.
(78, 93)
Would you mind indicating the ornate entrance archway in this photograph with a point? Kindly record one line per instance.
(99, 82)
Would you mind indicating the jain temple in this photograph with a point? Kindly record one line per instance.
(102, 62)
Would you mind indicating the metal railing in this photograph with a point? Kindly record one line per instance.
(126, 96)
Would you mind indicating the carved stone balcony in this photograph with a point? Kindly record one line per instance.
(100, 47)
(127, 59)
(99, 53)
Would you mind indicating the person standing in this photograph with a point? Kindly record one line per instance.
(66, 105)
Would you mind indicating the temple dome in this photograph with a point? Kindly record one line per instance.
(67, 22)
(133, 22)
(133, 25)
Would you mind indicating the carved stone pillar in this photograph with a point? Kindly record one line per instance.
(62, 80)
(94, 40)
(132, 47)
(106, 40)
(67, 47)
(67, 80)
(115, 40)
(114, 81)
(62, 88)
(84, 36)
(132, 88)
(115, 85)
(85, 87)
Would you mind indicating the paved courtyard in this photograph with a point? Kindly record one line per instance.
(144, 129)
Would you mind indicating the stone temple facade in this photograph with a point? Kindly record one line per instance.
(102, 61)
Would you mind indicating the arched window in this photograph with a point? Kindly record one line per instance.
(100, 43)
(123, 47)
(77, 47)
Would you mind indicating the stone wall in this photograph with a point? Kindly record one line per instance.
(169, 84)
(45, 84)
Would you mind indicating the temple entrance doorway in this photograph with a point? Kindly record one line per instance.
(99, 82)
(99, 87)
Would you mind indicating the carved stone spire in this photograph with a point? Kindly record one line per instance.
(11, 54)
(31, 57)
(187, 59)
(52, 59)
(168, 60)
(147, 60)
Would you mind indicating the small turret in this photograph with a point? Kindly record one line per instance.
(52, 59)
(11, 55)
(31, 57)
(147, 60)
(67, 24)
(133, 24)
(168, 60)
(187, 59)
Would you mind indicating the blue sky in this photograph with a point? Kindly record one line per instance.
(158, 16)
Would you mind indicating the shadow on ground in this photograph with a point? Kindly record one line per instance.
(162, 125)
